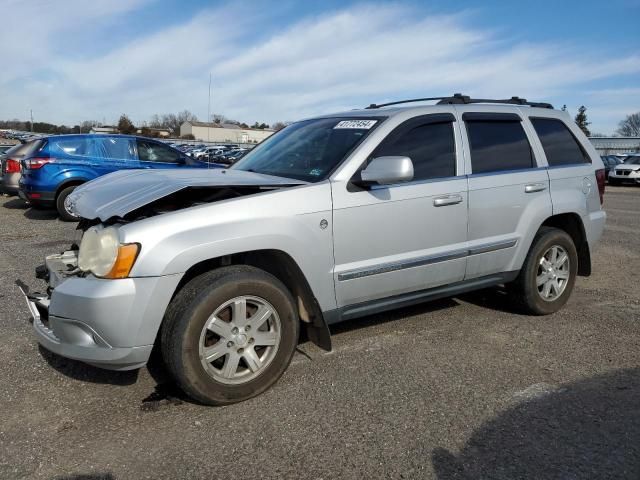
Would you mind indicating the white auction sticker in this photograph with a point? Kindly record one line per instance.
(361, 124)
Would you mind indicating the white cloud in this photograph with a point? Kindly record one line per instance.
(342, 59)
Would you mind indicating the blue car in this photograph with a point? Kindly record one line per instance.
(62, 162)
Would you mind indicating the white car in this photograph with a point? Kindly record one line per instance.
(627, 172)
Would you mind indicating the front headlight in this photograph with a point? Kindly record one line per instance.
(102, 254)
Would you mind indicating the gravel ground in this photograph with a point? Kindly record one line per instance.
(459, 388)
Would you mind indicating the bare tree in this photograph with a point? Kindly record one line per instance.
(218, 118)
(279, 125)
(172, 121)
(630, 126)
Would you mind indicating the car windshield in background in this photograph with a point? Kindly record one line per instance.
(308, 150)
(632, 161)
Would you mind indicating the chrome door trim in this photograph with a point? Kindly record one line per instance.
(492, 247)
(422, 261)
(401, 265)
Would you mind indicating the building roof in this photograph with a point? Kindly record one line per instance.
(230, 126)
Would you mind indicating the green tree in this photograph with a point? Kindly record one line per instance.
(125, 125)
(581, 120)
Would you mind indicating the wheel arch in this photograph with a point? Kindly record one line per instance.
(572, 224)
(282, 266)
(71, 182)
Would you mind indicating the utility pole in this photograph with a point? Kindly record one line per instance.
(209, 109)
(31, 111)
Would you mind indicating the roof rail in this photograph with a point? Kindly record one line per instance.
(459, 99)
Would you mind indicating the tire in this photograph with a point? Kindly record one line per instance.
(613, 181)
(189, 333)
(64, 214)
(526, 292)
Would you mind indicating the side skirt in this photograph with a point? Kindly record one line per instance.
(371, 307)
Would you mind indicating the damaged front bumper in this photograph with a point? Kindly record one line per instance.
(106, 323)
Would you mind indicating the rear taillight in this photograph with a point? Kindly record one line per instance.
(37, 162)
(11, 166)
(600, 178)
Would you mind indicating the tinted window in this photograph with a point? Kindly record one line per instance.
(431, 148)
(156, 152)
(632, 161)
(498, 145)
(560, 146)
(118, 148)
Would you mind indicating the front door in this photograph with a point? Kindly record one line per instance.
(394, 239)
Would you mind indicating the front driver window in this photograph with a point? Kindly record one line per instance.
(156, 152)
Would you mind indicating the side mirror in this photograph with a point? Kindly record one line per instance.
(387, 170)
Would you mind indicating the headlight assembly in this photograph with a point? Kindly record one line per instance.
(102, 254)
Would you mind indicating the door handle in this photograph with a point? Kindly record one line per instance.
(447, 200)
(535, 187)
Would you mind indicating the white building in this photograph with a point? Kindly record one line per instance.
(616, 145)
(223, 132)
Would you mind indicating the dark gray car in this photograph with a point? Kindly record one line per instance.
(10, 169)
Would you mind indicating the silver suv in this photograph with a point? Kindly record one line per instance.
(330, 219)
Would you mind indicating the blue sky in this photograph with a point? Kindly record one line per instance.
(74, 60)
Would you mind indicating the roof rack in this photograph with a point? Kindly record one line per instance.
(459, 99)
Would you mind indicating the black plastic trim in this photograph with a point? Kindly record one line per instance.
(491, 117)
(407, 299)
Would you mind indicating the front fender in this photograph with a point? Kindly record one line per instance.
(278, 220)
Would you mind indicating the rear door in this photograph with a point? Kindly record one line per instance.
(400, 238)
(508, 189)
(119, 153)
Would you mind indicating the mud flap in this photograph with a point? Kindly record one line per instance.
(319, 334)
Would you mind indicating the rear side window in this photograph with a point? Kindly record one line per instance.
(498, 145)
(431, 148)
(559, 144)
(74, 147)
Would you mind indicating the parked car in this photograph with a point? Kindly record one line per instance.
(627, 172)
(6, 147)
(610, 161)
(228, 158)
(330, 219)
(11, 168)
(62, 163)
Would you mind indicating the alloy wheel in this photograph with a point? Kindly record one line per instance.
(240, 339)
(553, 273)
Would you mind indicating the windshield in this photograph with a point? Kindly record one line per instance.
(308, 150)
(633, 161)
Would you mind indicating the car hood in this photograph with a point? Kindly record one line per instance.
(121, 192)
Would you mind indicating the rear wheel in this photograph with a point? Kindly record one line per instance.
(62, 205)
(548, 274)
(229, 334)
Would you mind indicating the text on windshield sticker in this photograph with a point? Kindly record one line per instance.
(361, 124)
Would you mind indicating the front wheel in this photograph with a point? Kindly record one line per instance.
(62, 205)
(229, 334)
(548, 274)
